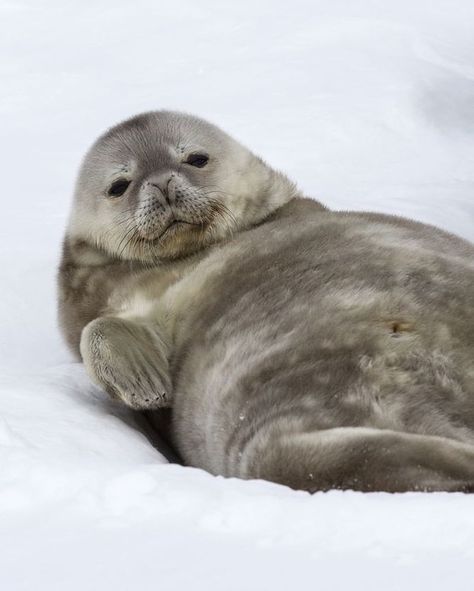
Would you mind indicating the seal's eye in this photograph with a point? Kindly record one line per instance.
(198, 160)
(118, 188)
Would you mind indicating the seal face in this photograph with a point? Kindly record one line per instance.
(162, 185)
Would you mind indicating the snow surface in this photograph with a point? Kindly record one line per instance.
(368, 105)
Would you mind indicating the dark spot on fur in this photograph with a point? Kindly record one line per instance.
(398, 327)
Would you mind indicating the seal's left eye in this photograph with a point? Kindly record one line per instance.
(198, 160)
(118, 188)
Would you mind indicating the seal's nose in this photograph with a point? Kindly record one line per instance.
(162, 183)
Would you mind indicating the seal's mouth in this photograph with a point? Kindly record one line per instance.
(173, 227)
(179, 231)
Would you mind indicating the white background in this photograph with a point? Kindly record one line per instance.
(367, 105)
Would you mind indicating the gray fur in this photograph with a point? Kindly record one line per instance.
(313, 348)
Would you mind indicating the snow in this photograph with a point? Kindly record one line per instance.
(368, 105)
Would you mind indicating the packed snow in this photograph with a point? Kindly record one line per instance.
(367, 105)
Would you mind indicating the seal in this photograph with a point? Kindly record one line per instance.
(312, 348)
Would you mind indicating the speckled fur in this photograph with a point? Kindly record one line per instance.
(316, 349)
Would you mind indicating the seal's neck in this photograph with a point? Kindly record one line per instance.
(80, 253)
(276, 192)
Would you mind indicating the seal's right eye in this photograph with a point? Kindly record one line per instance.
(118, 188)
(198, 160)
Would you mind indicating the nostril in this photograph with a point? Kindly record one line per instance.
(164, 185)
(163, 191)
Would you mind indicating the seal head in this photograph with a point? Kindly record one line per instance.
(163, 185)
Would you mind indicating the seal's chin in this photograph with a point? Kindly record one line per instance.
(178, 238)
(175, 227)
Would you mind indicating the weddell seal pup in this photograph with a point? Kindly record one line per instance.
(312, 348)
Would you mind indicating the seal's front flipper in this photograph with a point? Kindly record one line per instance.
(129, 360)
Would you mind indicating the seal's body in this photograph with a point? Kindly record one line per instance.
(312, 348)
